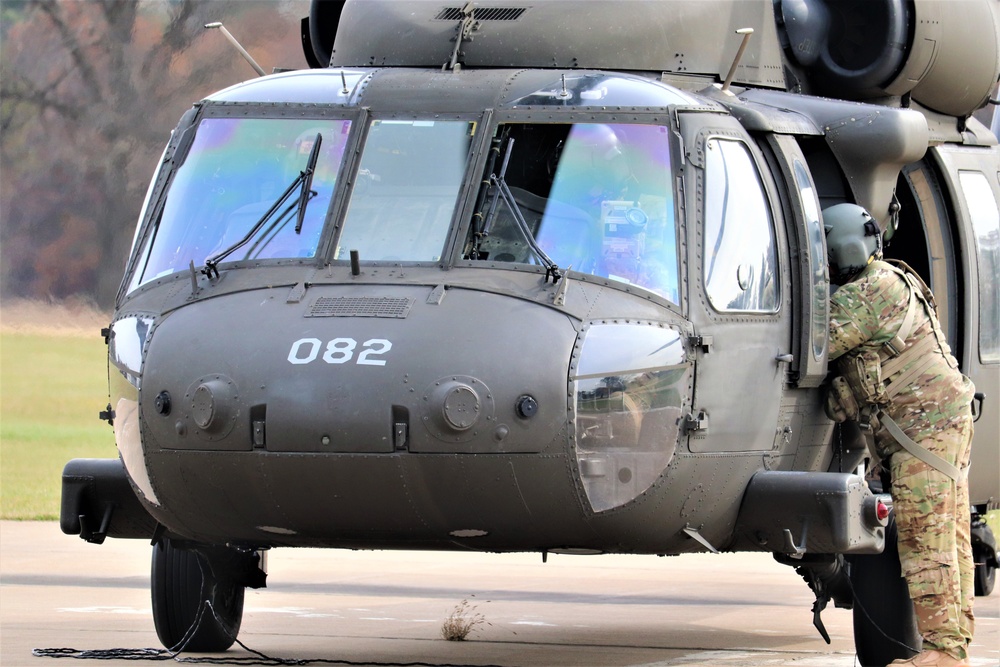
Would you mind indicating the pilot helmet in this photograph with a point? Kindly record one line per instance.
(295, 158)
(853, 239)
(304, 142)
(598, 142)
(596, 154)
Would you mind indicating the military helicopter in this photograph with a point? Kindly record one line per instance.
(544, 277)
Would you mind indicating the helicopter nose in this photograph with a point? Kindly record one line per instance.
(436, 375)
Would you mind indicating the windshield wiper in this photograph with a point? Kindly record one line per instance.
(304, 182)
(503, 190)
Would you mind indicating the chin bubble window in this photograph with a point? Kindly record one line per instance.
(632, 383)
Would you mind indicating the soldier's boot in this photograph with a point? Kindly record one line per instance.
(933, 659)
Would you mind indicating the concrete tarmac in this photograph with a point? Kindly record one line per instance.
(387, 608)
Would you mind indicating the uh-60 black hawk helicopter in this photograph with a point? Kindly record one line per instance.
(543, 276)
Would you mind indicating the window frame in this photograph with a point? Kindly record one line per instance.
(176, 153)
(767, 192)
(785, 156)
(661, 117)
(364, 123)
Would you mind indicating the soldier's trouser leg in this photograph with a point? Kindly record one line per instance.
(966, 563)
(932, 516)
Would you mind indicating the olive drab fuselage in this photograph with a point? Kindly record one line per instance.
(523, 306)
(450, 394)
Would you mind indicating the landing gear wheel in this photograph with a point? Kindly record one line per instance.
(180, 582)
(880, 590)
(985, 575)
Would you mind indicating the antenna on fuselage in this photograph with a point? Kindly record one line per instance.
(746, 32)
(564, 93)
(239, 47)
(466, 26)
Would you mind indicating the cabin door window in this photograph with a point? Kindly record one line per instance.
(985, 215)
(741, 264)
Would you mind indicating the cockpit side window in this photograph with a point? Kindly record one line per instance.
(231, 181)
(740, 259)
(596, 198)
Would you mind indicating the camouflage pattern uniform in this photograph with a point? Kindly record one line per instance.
(934, 410)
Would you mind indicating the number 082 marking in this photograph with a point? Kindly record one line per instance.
(339, 351)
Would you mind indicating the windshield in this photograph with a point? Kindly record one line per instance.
(595, 197)
(406, 189)
(235, 172)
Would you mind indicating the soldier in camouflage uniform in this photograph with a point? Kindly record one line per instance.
(929, 399)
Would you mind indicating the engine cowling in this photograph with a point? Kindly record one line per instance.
(944, 54)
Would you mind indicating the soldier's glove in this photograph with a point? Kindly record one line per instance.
(840, 404)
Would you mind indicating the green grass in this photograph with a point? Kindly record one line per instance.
(51, 390)
(52, 385)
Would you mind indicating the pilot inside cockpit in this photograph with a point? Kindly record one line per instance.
(616, 177)
(591, 171)
(597, 198)
(272, 173)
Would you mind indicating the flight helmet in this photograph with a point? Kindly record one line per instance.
(593, 164)
(853, 239)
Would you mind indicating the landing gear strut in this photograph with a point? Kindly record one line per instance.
(885, 627)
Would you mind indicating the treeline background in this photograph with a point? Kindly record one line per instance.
(89, 92)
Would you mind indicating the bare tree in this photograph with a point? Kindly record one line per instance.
(89, 91)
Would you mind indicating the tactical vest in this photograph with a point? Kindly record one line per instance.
(870, 379)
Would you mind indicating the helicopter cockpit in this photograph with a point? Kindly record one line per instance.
(592, 197)
(579, 191)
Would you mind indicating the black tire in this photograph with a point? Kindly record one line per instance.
(985, 575)
(179, 583)
(880, 590)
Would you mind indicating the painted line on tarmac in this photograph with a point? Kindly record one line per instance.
(743, 658)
